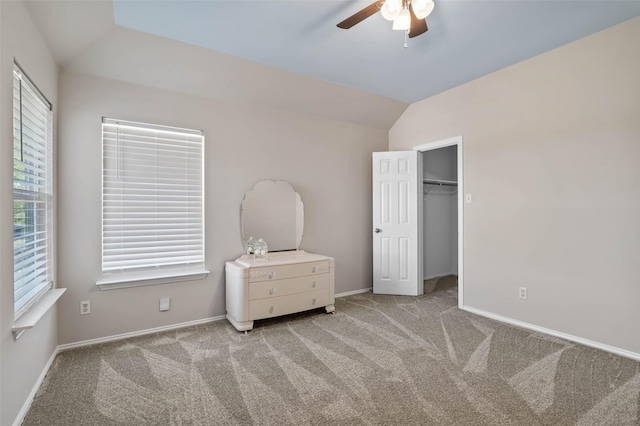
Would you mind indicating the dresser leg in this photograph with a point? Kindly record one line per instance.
(240, 325)
(330, 308)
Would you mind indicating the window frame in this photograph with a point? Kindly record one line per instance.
(41, 163)
(143, 274)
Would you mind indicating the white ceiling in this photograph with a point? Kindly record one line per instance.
(466, 39)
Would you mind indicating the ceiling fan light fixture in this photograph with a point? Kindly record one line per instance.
(391, 9)
(422, 8)
(400, 12)
(403, 21)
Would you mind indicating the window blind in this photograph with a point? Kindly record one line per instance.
(152, 198)
(32, 193)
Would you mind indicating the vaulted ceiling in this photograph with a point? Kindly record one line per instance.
(466, 39)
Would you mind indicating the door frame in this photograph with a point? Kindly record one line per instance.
(457, 141)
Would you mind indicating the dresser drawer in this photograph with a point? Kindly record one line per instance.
(267, 273)
(284, 305)
(276, 288)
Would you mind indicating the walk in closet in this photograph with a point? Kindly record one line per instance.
(440, 210)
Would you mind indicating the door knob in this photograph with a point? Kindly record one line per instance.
(377, 230)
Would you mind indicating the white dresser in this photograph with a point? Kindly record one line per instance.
(285, 283)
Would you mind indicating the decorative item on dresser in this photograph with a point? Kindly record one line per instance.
(289, 280)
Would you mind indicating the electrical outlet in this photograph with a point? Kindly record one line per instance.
(523, 292)
(467, 198)
(85, 307)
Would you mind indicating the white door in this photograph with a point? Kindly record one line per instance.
(395, 223)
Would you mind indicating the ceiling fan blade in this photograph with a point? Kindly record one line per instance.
(418, 26)
(360, 16)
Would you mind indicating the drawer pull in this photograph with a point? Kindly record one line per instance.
(313, 285)
(313, 269)
(271, 310)
(313, 302)
(272, 274)
(271, 291)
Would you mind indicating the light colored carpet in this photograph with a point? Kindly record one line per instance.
(381, 360)
(441, 283)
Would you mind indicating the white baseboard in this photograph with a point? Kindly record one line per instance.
(351, 293)
(446, 274)
(90, 342)
(612, 349)
(36, 387)
(122, 336)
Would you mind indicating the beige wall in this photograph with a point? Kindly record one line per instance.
(551, 151)
(328, 162)
(21, 361)
(144, 59)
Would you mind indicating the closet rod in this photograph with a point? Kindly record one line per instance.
(440, 182)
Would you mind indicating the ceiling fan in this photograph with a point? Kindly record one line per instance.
(407, 15)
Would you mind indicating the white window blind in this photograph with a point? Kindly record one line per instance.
(32, 193)
(152, 200)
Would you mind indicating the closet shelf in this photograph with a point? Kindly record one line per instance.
(440, 182)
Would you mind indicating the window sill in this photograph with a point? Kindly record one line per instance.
(137, 280)
(35, 313)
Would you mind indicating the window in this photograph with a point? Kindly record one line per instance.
(32, 193)
(152, 204)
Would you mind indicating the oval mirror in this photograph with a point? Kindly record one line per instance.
(273, 211)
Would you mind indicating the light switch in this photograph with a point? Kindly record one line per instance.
(165, 304)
